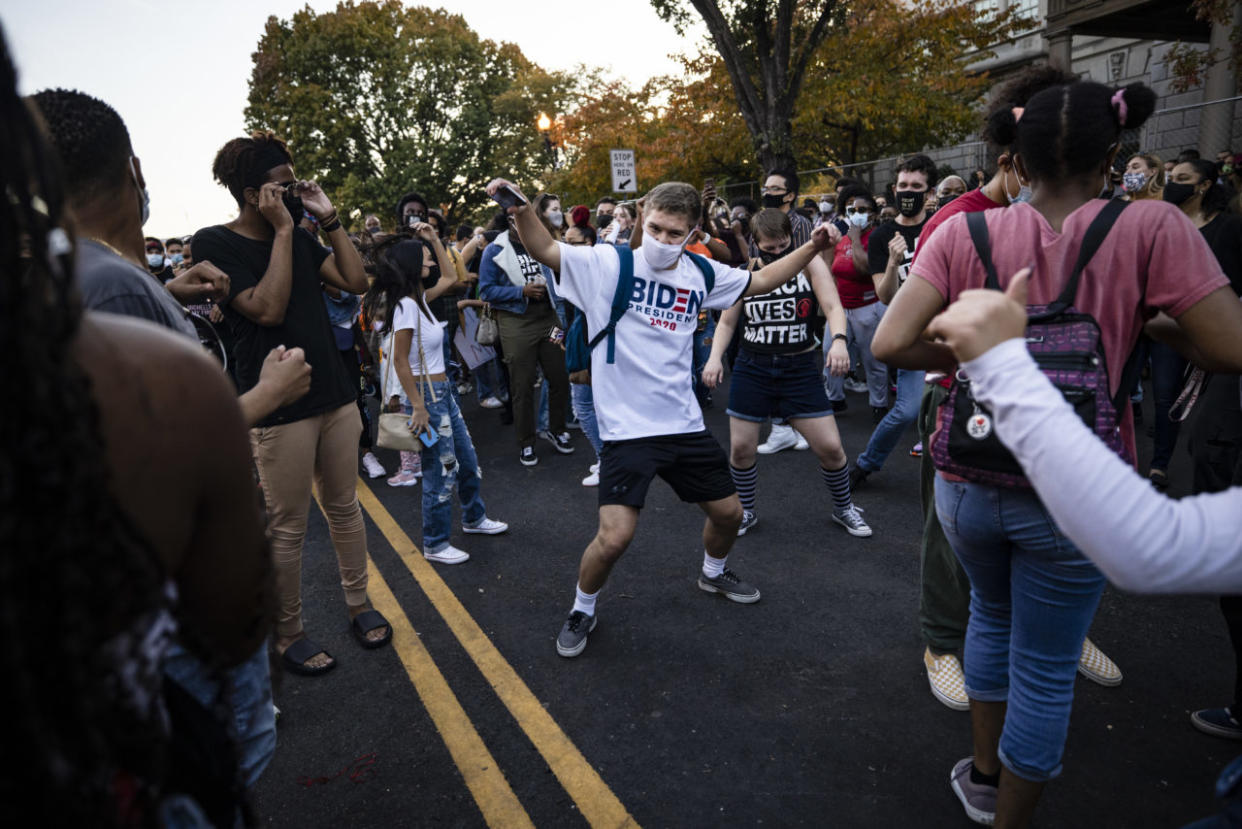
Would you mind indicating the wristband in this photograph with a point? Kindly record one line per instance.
(331, 227)
(841, 337)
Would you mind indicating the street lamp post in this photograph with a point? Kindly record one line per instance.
(545, 128)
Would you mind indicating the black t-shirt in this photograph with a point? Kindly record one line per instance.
(877, 247)
(1224, 237)
(781, 321)
(305, 326)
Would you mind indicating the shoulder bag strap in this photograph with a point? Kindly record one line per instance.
(1091, 241)
(978, 227)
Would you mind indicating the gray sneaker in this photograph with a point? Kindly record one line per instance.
(573, 637)
(978, 799)
(853, 522)
(749, 519)
(731, 586)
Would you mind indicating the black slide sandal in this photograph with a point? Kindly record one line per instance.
(295, 656)
(367, 621)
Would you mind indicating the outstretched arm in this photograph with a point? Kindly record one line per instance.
(535, 237)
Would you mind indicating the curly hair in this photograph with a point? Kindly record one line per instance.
(75, 575)
(244, 162)
(90, 138)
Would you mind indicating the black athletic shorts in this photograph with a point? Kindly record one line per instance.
(693, 464)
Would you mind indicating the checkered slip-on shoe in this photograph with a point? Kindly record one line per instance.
(944, 674)
(1097, 667)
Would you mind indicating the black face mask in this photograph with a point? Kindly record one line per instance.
(771, 200)
(769, 258)
(1178, 194)
(910, 202)
(946, 199)
(603, 221)
(293, 203)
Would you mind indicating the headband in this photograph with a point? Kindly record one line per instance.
(1119, 106)
(268, 156)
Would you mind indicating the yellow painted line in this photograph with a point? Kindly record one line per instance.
(487, 783)
(595, 799)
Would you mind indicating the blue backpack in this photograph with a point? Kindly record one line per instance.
(578, 346)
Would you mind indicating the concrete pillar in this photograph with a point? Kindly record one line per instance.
(1221, 82)
(1060, 50)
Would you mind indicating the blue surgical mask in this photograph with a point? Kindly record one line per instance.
(155, 260)
(177, 258)
(859, 220)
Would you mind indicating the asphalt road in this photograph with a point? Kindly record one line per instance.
(810, 708)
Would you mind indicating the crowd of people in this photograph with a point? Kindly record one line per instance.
(1019, 364)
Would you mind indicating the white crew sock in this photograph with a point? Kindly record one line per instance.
(585, 602)
(712, 566)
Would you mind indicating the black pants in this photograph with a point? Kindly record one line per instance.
(353, 368)
(1216, 447)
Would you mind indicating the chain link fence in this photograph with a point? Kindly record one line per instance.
(1207, 127)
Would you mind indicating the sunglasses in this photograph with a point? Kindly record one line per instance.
(850, 211)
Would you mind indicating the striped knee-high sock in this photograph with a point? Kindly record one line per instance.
(745, 480)
(838, 482)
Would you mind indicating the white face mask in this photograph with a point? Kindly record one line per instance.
(556, 218)
(826, 207)
(859, 220)
(660, 256)
(155, 260)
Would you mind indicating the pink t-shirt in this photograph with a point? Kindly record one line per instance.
(1154, 259)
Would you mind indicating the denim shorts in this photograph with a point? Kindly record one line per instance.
(783, 386)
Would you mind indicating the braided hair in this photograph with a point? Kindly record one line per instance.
(75, 576)
(244, 162)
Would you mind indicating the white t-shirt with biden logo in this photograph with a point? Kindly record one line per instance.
(648, 391)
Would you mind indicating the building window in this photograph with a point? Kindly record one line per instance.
(1116, 66)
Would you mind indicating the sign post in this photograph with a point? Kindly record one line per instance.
(623, 180)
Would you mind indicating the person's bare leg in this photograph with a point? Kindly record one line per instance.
(616, 530)
(1016, 799)
(743, 440)
(825, 440)
(986, 721)
(724, 516)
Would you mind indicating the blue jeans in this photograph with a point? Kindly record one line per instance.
(249, 697)
(889, 430)
(584, 410)
(492, 381)
(1167, 367)
(448, 462)
(861, 324)
(1032, 598)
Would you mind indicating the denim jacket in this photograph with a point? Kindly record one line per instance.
(497, 289)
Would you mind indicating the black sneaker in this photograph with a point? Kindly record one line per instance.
(728, 584)
(749, 519)
(877, 413)
(528, 456)
(573, 637)
(858, 477)
(561, 442)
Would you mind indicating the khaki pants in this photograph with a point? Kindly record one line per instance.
(524, 338)
(322, 449)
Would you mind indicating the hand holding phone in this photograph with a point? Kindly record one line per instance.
(505, 194)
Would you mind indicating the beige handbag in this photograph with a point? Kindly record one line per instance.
(394, 427)
(488, 332)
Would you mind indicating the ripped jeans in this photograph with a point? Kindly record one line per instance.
(448, 463)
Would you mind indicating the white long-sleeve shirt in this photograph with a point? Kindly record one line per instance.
(1140, 539)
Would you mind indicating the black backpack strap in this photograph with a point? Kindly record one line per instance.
(1091, 241)
(978, 227)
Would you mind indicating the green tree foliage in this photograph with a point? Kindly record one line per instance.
(376, 99)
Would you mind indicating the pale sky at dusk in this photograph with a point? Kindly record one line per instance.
(177, 70)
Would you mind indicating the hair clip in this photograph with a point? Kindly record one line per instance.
(1119, 106)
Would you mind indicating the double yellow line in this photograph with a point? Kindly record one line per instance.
(487, 783)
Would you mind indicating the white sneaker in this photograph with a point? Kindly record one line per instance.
(855, 386)
(801, 444)
(485, 527)
(592, 479)
(491, 403)
(449, 555)
(781, 437)
(595, 468)
(371, 464)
